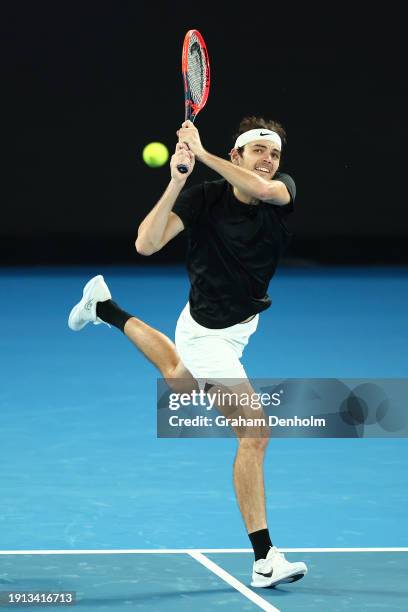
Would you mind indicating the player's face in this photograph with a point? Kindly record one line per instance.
(260, 157)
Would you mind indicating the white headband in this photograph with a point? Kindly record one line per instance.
(258, 134)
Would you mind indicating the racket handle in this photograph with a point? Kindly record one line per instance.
(182, 168)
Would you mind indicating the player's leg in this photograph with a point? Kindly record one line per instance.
(214, 355)
(249, 485)
(158, 348)
(270, 567)
(249, 462)
(249, 476)
(96, 306)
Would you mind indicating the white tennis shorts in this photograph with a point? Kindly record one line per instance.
(212, 354)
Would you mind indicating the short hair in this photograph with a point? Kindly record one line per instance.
(252, 123)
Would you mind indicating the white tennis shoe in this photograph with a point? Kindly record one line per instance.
(275, 569)
(95, 290)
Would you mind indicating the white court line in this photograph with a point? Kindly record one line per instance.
(357, 550)
(181, 551)
(244, 590)
(111, 551)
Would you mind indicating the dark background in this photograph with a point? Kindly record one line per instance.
(86, 86)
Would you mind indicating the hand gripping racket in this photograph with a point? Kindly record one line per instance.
(195, 67)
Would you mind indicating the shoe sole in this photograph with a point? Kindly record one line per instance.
(292, 578)
(283, 580)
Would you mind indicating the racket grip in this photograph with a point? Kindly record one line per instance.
(182, 168)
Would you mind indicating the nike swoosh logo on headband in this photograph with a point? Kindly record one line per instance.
(264, 133)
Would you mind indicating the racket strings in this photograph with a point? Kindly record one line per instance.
(196, 73)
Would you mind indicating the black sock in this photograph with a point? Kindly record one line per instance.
(261, 543)
(111, 313)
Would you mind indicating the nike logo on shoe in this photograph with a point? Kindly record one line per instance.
(88, 305)
(268, 575)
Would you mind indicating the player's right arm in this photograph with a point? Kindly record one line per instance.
(161, 224)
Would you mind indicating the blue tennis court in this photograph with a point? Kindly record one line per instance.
(83, 470)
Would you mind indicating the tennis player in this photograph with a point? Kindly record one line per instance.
(236, 234)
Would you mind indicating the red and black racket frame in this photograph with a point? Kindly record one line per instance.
(192, 109)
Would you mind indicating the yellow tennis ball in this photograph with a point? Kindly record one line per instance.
(155, 154)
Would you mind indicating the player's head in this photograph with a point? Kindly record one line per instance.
(258, 146)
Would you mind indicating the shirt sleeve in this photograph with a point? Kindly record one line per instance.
(188, 204)
(285, 210)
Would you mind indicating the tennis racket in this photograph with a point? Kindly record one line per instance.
(195, 67)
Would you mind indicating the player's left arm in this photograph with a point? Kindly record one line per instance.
(274, 192)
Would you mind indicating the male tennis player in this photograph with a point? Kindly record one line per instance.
(236, 234)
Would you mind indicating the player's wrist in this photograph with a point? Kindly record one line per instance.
(202, 155)
(178, 182)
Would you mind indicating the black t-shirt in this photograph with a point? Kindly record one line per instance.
(233, 250)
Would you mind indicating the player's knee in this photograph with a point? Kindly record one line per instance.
(180, 381)
(257, 445)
